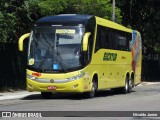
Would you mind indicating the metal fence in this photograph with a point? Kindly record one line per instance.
(151, 67)
(13, 67)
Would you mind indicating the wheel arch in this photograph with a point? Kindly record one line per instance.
(95, 77)
(127, 75)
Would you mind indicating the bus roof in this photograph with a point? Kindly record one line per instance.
(65, 19)
(111, 24)
(76, 19)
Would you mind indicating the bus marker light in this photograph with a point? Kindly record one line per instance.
(123, 57)
(86, 87)
(36, 74)
(74, 86)
(31, 61)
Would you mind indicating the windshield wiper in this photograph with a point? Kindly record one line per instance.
(56, 57)
(61, 61)
(41, 63)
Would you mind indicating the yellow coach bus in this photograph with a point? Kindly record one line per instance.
(81, 54)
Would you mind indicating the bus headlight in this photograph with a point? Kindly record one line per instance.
(76, 77)
(31, 77)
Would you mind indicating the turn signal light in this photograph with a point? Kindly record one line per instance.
(36, 74)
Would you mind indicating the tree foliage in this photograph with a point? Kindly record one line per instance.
(7, 22)
(101, 8)
(17, 16)
(143, 16)
(14, 20)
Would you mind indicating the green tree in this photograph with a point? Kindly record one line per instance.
(143, 16)
(7, 23)
(17, 16)
(14, 20)
(101, 8)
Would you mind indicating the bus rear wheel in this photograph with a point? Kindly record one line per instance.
(46, 95)
(128, 86)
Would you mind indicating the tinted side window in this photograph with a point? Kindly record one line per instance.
(114, 39)
(101, 39)
(129, 39)
(109, 38)
(122, 41)
(118, 40)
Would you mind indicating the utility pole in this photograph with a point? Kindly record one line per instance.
(113, 10)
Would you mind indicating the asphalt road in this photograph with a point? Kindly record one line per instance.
(143, 98)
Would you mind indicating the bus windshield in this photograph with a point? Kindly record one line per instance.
(55, 48)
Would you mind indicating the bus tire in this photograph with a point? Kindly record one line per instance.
(91, 93)
(46, 95)
(128, 86)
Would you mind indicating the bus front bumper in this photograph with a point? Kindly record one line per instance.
(72, 86)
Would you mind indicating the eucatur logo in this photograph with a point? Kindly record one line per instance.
(110, 56)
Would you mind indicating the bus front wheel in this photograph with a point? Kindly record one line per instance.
(46, 95)
(91, 93)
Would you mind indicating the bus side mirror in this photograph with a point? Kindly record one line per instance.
(85, 41)
(20, 42)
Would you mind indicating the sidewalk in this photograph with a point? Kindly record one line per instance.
(15, 94)
(149, 83)
(23, 93)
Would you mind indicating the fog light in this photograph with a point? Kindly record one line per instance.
(74, 86)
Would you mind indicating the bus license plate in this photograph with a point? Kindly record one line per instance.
(51, 87)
